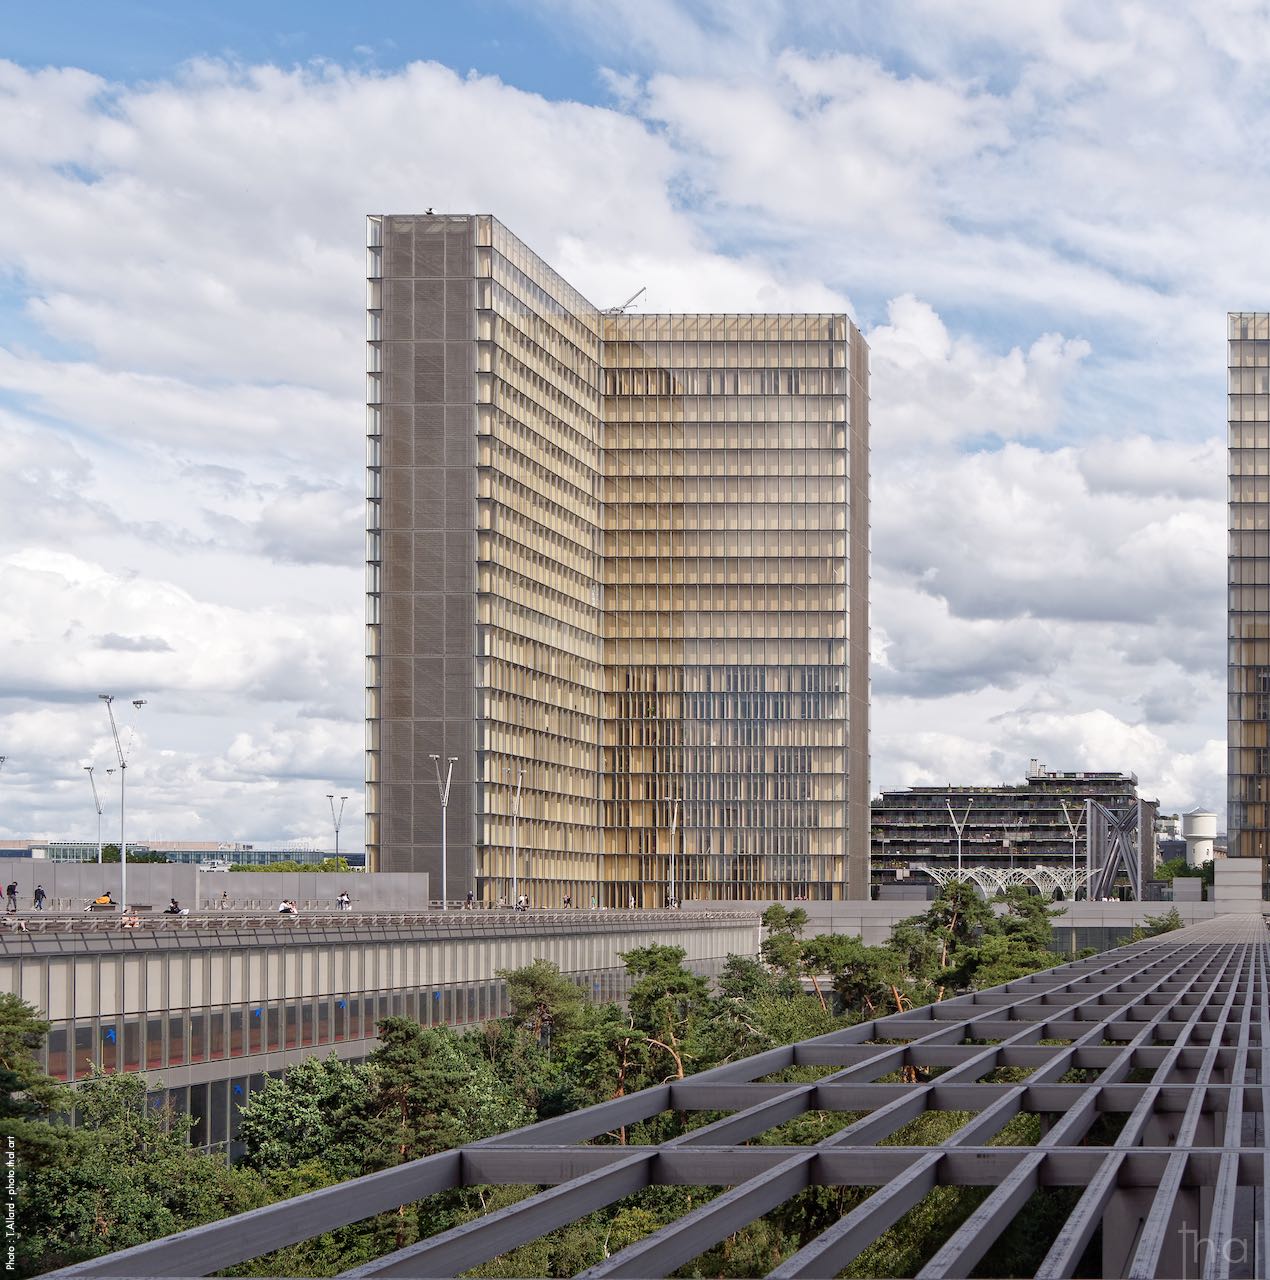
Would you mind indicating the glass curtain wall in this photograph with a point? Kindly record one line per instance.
(538, 599)
(725, 621)
(1248, 728)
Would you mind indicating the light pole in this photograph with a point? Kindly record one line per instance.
(336, 819)
(88, 768)
(959, 827)
(137, 704)
(1074, 827)
(520, 778)
(443, 790)
(674, 832)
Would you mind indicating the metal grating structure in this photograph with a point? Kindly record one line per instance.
(1164, 1038)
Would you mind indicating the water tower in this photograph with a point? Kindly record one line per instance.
(1199, 829)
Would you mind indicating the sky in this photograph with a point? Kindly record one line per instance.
(1038, 215)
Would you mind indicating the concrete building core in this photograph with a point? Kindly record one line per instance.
(618, 569)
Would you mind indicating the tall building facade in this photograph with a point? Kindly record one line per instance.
(618, 569)
(1248, 577)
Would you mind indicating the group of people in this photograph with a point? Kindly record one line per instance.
(11, 897)
(287, 907)
(174, 908)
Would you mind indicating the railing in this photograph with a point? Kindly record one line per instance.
(454, 920)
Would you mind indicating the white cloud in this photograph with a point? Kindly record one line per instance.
(1039, 213)
(930, 389)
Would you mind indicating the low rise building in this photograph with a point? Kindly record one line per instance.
(1053, 825)
(218, 854)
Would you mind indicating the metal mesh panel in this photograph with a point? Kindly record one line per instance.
(1141, 1068)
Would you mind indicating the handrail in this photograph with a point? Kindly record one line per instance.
(481, 920)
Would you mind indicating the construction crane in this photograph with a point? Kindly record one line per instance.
(622, 310)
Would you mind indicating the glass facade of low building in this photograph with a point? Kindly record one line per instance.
(1248, 617)
(618, 570)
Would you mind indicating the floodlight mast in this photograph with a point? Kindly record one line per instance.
(88, 768)
(443, 791)
(137, 703)
(1074, 828)
(520, 778)
(336, 819)
(959, 826)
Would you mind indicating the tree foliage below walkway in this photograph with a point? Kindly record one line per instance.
(127, 1174)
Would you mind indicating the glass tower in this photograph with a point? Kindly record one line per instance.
(1248, 687)
(618, 569)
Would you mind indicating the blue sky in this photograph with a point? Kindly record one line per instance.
(1038, 214)
(130, 42)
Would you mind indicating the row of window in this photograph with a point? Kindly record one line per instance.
(725, 409)
(724, 382)
(709, 461)
(645, 327)
(716, 652)
(669, 441)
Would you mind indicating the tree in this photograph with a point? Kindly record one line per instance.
(543, 1001)
(868, 982)
(781, 948)
(110, 853)
(332, 865)
(315, 1112)
(133, 1178)
(28, 1097)
(605, 1056)
(666, 1001)
(1153, 926)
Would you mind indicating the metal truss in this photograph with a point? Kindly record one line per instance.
(1120, 832)
(1145, 1065)
(1050, 880)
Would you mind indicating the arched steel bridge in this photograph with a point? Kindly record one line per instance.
(1170, 1036)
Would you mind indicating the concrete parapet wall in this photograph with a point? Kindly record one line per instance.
(872, 922)
(1237, 885)
(72, 885)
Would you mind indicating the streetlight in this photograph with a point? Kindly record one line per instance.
(1074, 827)
(443, 790)
(520, 778)
(959, 827)
(137, 704)
(88, 768)
(674, 832)
(336, 819)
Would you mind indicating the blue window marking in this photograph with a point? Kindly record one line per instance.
(109, 1034)
(255, 1013)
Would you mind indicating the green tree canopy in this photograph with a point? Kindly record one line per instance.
(543, 1001)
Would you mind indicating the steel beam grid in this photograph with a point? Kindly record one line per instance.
(1168, 1034)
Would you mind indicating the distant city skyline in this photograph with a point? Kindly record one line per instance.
(1028, 212)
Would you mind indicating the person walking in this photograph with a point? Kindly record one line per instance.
(470, 901)
(11, 897)
(630, 902)
(40, 895)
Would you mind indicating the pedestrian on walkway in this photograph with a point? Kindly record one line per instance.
(40, 895)
(630, 902)
(11, 896)
(470, 901)
(346, 903)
